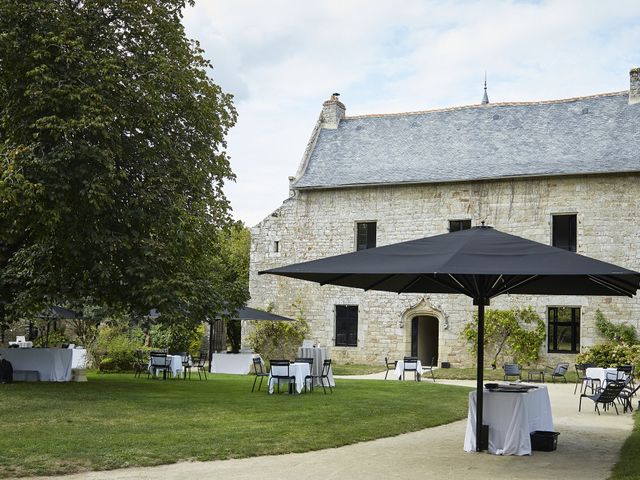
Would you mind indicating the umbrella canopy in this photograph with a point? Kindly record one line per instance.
(59, 312)
(480, 263)
(248, 313)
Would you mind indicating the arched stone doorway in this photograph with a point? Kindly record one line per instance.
(422, 323)
(425, 338)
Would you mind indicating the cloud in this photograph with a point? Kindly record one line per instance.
(281, 59)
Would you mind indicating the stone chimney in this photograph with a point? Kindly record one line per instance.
(332, 112)
(634, 86)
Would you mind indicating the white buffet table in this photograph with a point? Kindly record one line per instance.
(297, 370)
(52, 364)
(235, 363)
(511, 418)
(175, 368)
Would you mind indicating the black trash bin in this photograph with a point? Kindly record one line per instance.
(543, 441)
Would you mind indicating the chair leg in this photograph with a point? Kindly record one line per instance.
(260, 385)
(580, 404)
(254, 383)
(329, 383)
(322, 383)
(386, 373)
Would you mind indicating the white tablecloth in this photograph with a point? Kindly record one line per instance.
(400, 369)
(175, 370)
(605, 374)
(319, 355)
(511, 418)
(78, 358)
(299, 370)
(236, 363)
(53, 364)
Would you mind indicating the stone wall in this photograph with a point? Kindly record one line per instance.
(319, 223)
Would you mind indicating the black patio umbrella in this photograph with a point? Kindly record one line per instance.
(480, 263)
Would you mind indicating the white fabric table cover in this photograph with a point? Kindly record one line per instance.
(175, 368)
(53, 364)
(319, 355)
(235, 363)
(298, 370)
(400, 369)
(603, 373)
(78, 358)
(511, 418)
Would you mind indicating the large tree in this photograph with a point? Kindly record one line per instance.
(112, 158)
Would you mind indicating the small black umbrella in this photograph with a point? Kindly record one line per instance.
(480, 263)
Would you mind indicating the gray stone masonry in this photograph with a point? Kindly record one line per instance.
(318, 223)
(634, 86)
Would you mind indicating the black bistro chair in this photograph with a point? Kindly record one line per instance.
(389, 365)
(429, 369)
(199, 365)
(324, 375)
(159, 361)
(260, 373)
(309, 377)
(187, 363)
(585, 382)
(411, 365)
(606, 396)
(280, 371)
(512, 370)
(559, 372)
(140, 364)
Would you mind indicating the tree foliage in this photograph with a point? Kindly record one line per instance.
(112, 159)
(621, 332)
(514, 335)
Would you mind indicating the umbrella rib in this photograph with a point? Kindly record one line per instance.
(621, 280)
(496, 282)
(517, 284)
(375, 284)
(610, 286)
(410, 284)
(462, 289)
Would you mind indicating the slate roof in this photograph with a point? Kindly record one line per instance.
(584, 135)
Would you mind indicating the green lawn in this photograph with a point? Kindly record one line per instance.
(118, 421)
(627, 466)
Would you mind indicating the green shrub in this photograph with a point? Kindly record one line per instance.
(611, 355)
(279, 340)
(117, 346)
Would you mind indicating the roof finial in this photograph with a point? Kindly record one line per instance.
(485, 97)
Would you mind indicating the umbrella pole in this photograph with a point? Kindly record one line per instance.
(480, 374)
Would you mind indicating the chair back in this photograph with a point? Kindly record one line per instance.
(280, 368)
(410, 363)
(627, 369)
(610, 392)
(561, 369)
(589, 365)
(581, 370)
(257, 365)
(326, 366)
(186, 359)
(511, 369)
(159, 359)
(305, 360)
(202, 358)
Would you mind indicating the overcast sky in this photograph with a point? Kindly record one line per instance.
(282, 59)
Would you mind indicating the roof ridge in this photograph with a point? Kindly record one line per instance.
(478, 105)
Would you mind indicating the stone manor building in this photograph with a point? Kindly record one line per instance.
(562, 172)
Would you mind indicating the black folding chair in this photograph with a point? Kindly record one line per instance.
(512, 370)
(260, 373)
(187, 363)
(310, 376)
(389, 365)
(324, 375)
(411, 365)
(559, 372)
(429, 369)
(606, 396)
(280, 371)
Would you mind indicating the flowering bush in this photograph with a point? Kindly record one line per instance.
(611, 355)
